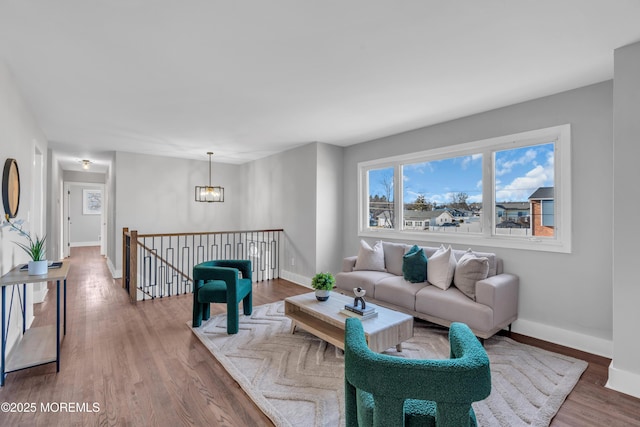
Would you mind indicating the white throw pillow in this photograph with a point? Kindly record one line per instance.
(440, 268)
(393, 253)
(469, 270)
(370, 258)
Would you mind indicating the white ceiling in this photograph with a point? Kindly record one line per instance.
(250, 78)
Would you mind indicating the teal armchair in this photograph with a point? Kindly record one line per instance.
(218, 281)
(382, 390)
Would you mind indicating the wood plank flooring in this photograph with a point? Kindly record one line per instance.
(140, 365)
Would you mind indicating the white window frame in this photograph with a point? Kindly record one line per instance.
(561, 242)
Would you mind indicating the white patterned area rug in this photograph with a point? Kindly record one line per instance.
(298, 379)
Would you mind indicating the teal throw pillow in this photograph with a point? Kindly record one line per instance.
(414, 265)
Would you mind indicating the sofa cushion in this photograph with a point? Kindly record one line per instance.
(441, 267)
(414, 265)
(454, 305)
(370, 258)
(469, 269)
(493, 260)
(360, 279)
(393, 253)
(397, 291)
(429, 251)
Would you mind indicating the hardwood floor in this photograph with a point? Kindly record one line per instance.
(141, 365)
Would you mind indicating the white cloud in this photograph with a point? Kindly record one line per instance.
(503, 167)
(418, 167)
(467, 160)
(523, 186)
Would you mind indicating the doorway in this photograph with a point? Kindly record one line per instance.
(84, 216)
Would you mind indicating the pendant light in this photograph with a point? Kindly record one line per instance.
(208, 193)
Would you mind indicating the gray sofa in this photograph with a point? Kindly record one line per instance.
(496, 298)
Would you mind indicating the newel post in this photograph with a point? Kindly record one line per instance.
(133, 267)
(125, 254)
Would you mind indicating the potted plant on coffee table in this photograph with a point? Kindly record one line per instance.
(323, 283)
(35, 248)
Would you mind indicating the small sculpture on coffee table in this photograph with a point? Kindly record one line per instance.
(359, 305)
(359, 299)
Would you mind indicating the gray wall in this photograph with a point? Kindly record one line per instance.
(55, 216)
(78, 176)
(299, 190)
(329, 208)
(84, 229)
(624, 373)
(155, 194)
(20, 136)
(280, 192)
(563, 297)
(114, 236)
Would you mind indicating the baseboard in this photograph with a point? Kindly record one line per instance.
(576, 340)
(623, 381)
(115, 273)
(296, 278)
(82, 244)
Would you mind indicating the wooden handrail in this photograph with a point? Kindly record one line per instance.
(196, 233)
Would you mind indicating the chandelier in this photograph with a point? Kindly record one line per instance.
(209, 193)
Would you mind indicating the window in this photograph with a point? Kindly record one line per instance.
(547, 213)
(521, 174)
(481, 193)
(381, 209)
(445, 189)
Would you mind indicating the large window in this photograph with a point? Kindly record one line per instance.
(511, 191)
(445, 193)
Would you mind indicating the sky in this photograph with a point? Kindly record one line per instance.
(518, 173)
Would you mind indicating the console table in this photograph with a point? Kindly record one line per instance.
(38, 345)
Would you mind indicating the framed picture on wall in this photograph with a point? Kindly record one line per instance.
(91, 202)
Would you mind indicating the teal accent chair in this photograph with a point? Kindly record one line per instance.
(382, 390)
(218, 281)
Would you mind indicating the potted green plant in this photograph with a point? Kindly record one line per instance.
(323, 283)
(35, 248)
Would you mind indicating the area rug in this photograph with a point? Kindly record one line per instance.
(298, 379)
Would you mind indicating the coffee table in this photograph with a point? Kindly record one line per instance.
(324, 320)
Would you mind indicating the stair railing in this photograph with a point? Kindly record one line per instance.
(161, 265)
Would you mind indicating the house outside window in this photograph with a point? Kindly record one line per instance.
(543, 211)
(547, 213)
(473, 193)
(444, 189)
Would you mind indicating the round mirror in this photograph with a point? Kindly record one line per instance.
(11, 187)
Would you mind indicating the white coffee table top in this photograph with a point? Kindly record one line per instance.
(325, 320)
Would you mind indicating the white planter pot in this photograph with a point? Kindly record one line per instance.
(38, 268)
(322, 294)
